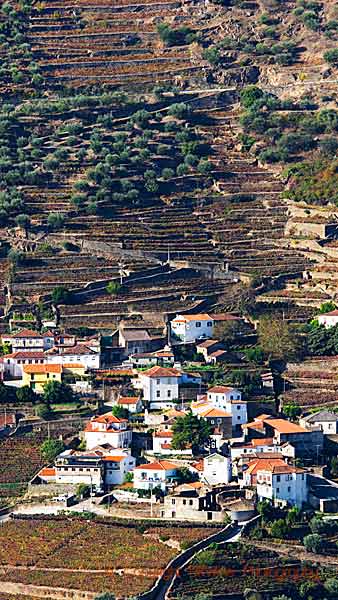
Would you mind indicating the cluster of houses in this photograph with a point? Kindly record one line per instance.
(244, 460)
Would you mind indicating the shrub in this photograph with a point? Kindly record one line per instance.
(313, 543)
(331, 56)
(55, 221)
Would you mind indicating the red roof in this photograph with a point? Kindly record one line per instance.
(162, 372)
(128, 399)
(26, 333)
(163, 434)
(108, 418)
(160, 465)
(284, 426)
(221, 389)
(22, 354)
(47, 472)
(39, 369)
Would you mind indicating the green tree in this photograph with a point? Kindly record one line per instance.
(23, 221)
(56, 392)
(113, 288)
(279, 529)
(265, 509)
(51, 449)
(5, 348)
(55, 221)
(291, 410)
(120, 412)
(44, 412)
(129, 477)
(293, 515)
(60, 295)
(26, 395)
(313, 543)
(82, 491)
(327, 307)
(190, 430)
(331, 586)
(278, 339)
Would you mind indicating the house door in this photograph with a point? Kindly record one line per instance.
(209, 516)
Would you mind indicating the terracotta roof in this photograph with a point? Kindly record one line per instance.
(166, 446)
(254, 425)
(73, 366)
(78, 349)
(264, 464)
(107, 418)
(262, 442)
(39, 369)
(26, 333)
(217, 353)
(221, 389)
(135, 335)
(199, 465)
(173, 412)
(207, 343)
(198, 317)
(263, 417)
(160, 465)
(47, 472)
(163, 434)
(332, 313)
(284, 426)
(161, 372)
(113, 458)
(128, 400)
(21, 354)
(214, 412)
(277, 469)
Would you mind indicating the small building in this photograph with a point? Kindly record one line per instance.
(131, 403)
(194, 502)
(160, 387)
(325, 419)
(282, 484)
(253, 447)
(189, 328)
(134, 341)
(162, 358)
(160, 474)
(162, 445)
(80, 467)
(230, 400)
(14, 362)
(108, 429)
(36, 376)
(217, 469)
(29, 340)
(80, 353)
(206, 347)
(218, 419)
(329, 319)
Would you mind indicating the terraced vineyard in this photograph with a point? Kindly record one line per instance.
(127, 153)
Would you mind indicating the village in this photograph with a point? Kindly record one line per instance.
(166, 437)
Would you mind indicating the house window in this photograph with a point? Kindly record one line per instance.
(238, 407)
(278, 477)
(302, 476)
(239, 418)
(212, 422)
(158, 394)
(277, 490)
(169, 393)
(209, 324)
(191, 502)
(158, 381)
(184, 502)
(289, 489)
(173, 501)
(198, 324)
(231, 397)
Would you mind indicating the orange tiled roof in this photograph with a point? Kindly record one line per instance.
(108, 418)
(284, 426)
(39, 369)
(262, 442)
(220, 389)
(113, 458)
(26, 333)
(277, 469)
(198, 317)
(47, 472)
(163, 434)
(73, 366)
(160, 465)
(264, 464)
(161, 372)
(128, 399)
(214, 412)
(25, 354)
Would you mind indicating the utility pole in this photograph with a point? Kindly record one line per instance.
(151, 502)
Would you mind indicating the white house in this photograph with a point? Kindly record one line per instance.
(217, 469)
(156, 474)
(108, 429)
(253, 447)
(329, 319)
(230, 400)
(189, 328)
(80, 353)
(29, 340)
(160, 386)
(131, 403)
(149, 359)
(326, 420)
(116, 467)
(282, 485)
(14, 362)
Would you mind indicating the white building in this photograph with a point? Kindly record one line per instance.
(14, 362)
(107, 429)
(80, 353)
(156, 474)
(326, 420)
(329, 319)
(162, 444)
(230, 400)
(282, 485)
(131, 403)
(116, 467)
(217, 469)
(160, 386)
(189, 328)
(254, 447)
(29, 340)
